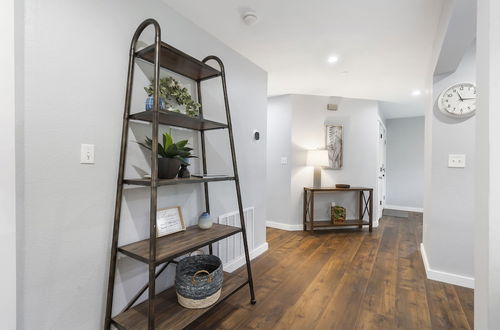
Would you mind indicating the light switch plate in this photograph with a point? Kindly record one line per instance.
(284, 161)
(87, 154)
(456, 160)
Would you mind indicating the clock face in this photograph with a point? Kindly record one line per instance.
(459, 100)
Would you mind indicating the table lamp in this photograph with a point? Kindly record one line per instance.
(318, 159)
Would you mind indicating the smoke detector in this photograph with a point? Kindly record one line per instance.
(250, 18)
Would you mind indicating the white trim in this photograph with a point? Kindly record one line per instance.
(240, 261)
(441, 276)
(404, 208)
(284, 226)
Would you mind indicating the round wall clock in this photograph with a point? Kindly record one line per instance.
(459, 100)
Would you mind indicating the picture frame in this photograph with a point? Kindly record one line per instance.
(334, 141)
(169, 221)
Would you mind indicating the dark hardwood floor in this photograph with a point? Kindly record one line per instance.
(345, 280)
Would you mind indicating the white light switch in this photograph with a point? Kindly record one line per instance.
(284, 161)
(87, 154)
(457, 161)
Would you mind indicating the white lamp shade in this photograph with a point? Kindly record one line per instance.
(317, 158)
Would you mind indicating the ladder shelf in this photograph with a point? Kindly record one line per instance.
(161, 311)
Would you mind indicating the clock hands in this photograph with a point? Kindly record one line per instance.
(464, 98)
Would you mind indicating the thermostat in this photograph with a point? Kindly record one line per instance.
(256, 135)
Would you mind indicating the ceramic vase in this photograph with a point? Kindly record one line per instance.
(205, 221)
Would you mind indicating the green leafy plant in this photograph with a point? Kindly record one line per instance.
(171, 149)
(171, 90)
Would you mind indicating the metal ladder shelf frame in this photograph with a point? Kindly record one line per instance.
(133, 55)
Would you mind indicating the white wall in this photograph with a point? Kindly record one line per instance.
(8, 167)
(449, 221)
(76, 63)
(405, 162)
(279, 136)
(309, 117)
(487, 215)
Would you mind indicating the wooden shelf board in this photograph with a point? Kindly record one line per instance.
(168, 313)
(170, 182)
(174, 245)
(319, 224)
(330, 189)
(175, 119)
(179, 62)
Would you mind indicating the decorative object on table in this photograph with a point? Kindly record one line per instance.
(342, 186)
(335, 146)
(338, 214)
(184, 172)
(458, 101)
(172, 92)
(198, 281)
(318, 159)
(205, 221)
(169, 221)
(171, 155)
(150, 102)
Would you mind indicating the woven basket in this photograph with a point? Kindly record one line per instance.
(198, 281)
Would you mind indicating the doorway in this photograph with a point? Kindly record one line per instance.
(382, 145)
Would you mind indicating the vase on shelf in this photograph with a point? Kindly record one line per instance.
(184, 172)
(205, 221)
(150, 101)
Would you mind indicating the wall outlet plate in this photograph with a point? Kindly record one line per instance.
(284, 160)
(456, 160)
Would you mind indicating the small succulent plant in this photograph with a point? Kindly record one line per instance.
(171, 149)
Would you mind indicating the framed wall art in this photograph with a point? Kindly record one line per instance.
(169, 221)
(335, 146)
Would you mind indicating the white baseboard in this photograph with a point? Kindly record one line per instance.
(441, 276)
(404, 208)
(240, 261)
(284, 226)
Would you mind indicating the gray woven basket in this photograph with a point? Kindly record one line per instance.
(198, 281)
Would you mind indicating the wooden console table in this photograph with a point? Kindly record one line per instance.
(365, 207)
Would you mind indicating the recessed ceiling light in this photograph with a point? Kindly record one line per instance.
(416, 92)
(333, 59)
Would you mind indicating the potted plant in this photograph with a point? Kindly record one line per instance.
(171, 92)
(170, 155)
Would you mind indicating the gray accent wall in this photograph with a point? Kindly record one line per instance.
(405, 162)
(297, 124)
(76, 64)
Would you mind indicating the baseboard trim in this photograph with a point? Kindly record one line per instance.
(284, 226)
(445, 277)
(404, 208)
(240, 261)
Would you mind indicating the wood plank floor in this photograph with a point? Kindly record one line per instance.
(345, 280)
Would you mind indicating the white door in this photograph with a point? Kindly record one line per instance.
(382, 142)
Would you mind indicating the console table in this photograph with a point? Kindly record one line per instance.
(365, 207)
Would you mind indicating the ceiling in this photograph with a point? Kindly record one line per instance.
(384, 46)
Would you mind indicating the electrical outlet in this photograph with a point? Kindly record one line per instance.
(456, 161)
(87, 154)
(284, 160)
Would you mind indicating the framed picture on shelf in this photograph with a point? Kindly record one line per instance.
(335, 146)
(169, 220)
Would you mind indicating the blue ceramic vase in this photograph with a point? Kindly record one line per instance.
(150, 101)
(205, 221)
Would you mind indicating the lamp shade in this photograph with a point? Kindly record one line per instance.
(317, 158)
